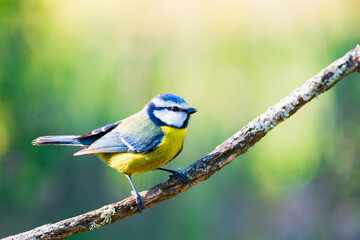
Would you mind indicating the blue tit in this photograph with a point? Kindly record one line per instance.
(140, 143)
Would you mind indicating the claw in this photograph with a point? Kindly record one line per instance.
(179, 175)
(139, 202)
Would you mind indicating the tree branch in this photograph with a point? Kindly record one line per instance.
(205, 167)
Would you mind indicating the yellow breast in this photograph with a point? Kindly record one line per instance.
(132, 163)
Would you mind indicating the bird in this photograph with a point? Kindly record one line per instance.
(143, 142)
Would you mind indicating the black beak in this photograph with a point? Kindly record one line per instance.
(191, 111)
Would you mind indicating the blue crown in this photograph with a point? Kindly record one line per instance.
(170, 97)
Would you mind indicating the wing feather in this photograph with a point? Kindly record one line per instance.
(100, 131)
(133, 135)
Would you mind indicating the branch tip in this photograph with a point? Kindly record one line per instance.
(357, 57)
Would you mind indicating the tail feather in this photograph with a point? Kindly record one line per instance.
(69, 140)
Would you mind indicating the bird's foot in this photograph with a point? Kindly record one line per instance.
(139, 202)
(176, 174)
(179, 175)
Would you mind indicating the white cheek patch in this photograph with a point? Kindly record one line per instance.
(161, 103)
(176, 119)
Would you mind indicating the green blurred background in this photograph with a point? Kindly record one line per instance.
(67, 67)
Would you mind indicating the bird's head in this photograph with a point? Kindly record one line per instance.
(169, 110)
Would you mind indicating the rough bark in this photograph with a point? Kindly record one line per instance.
(205, 167)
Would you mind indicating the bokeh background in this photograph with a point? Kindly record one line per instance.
(67, 67)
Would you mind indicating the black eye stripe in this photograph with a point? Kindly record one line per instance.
(176, 109)
(173, 109)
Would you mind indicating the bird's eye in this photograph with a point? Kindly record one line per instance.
(175, 109)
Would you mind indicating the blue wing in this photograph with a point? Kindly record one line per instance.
(133, 135)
